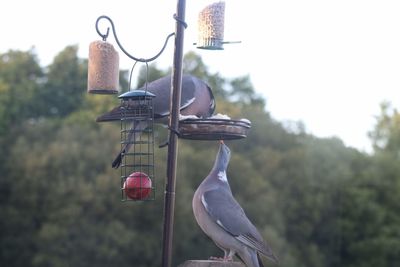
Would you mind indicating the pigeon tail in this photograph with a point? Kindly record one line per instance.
(260, 261)
(133, 135)
(117, 161)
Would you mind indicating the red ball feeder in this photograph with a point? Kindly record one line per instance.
(137, 186)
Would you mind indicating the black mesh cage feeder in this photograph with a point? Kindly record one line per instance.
(137, 166)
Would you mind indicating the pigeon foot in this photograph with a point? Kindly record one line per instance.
(224, 259)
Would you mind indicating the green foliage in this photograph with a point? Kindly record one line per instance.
(20, 76)
(386, 135)
(243, 91)
(193, 64)
(317, 202)
(149, 74)
(65, 84)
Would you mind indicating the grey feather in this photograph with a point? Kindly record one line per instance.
(222, 218)
(196, 99)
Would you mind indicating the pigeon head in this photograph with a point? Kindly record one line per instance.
(223, 157)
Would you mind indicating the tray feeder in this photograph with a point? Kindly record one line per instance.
(138, 162)
(213, 129)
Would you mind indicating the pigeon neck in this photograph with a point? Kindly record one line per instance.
(220, 164)
(218, 167)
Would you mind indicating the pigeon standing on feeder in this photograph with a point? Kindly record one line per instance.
(221, 217)
(197, 100)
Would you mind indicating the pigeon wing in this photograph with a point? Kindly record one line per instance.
(162, 89)
(196, 99)
(226, 212)
(113, 115)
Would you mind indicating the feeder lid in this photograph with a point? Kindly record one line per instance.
(136, 94)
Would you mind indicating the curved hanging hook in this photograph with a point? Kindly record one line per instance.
(130, 76)
(147, 76)
(105, 36)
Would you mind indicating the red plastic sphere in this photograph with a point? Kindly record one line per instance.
(137, 186)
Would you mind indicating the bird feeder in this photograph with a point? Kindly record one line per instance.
(136, 158)
(211, 26)
(213, 129)
(103, 68)
(137, 166)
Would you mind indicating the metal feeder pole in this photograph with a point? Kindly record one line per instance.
(176, 87)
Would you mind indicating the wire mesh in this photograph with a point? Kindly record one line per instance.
(137, 146)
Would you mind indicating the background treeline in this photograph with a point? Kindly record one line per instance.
(317, 202)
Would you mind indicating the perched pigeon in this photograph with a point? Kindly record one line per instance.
(197, 99)
(221, 217)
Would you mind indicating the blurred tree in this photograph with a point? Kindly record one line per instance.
(317, 202)
(370, 216)
(65, 84)
(149, 74)
(243, 91)
(194, 64)
(20, 78)
(386, 135)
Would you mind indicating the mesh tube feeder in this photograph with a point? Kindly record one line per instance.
(137, 167)
(210, 26)
(103, 68)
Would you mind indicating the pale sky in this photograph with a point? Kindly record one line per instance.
(327, 63)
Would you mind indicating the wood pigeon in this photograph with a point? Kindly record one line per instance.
(197, 99)
(221, 217)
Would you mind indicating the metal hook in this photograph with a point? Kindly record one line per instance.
(105, 36)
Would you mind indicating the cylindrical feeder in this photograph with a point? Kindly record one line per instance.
(137, 145)
(211, 26)
(103, 68)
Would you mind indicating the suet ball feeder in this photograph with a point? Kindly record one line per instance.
(137, 107)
